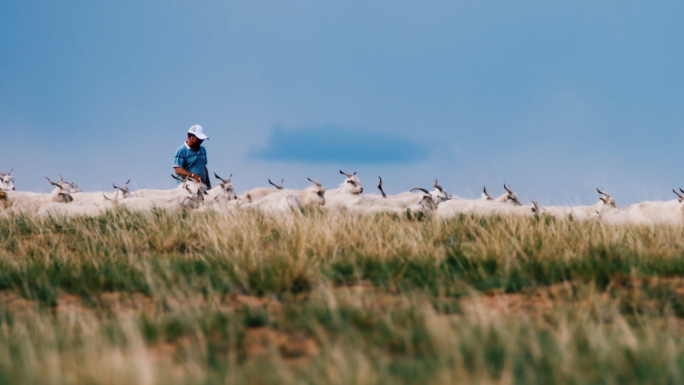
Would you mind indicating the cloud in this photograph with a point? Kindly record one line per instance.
(330, 144)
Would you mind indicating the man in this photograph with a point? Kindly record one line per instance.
(191, 157)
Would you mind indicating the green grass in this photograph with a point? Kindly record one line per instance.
(330, 297)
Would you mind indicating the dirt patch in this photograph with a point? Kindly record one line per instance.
(238, 301)
(12, 301)
(263, 342)
(530, 302)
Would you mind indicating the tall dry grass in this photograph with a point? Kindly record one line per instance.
(333, 297)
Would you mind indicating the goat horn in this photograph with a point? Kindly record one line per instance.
(344, 173)
(484, 190)
(278, 186)
(680, 189)
(380, 187)
(219, 178)
(316, 183)
(535, 207)
(354, 173)
(51, 182)
(681, 198)
(177, 178)
(421, 189)
(508, 188)
(10, 171)
(438, 187)
(602, 193)
(105, 197)
(2, 173)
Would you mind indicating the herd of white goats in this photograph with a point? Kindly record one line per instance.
(67, 199)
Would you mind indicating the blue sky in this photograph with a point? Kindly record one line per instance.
(555, 98)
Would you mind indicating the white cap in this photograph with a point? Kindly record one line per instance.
(198, 131)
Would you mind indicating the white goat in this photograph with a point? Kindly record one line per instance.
(66, 186)
(652, 213)
(350, 186)
(439, 195)
(509, 197)
(21, 201)
(6, 181)
(394, 203)
(256, 194)
(223, 192)
(288, 200)
(605, 206)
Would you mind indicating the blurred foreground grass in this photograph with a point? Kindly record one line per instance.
(331, 297)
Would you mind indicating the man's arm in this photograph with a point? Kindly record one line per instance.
(206, 172)
(183, 173)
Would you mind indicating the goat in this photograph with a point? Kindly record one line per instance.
(508, 197)
(39, 203)
(651, 213)
(396, 203)
(605, 205)
(256, 194)
(7, 181)
(171, 194)
(66, 186)
(439, 195)
(62, 190)
(350, 186)
(312, 195)
(287, 200)
(193, 200)
(223, 192)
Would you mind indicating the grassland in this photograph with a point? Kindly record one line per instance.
(329, 297)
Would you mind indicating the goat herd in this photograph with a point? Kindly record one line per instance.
(68, 199)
